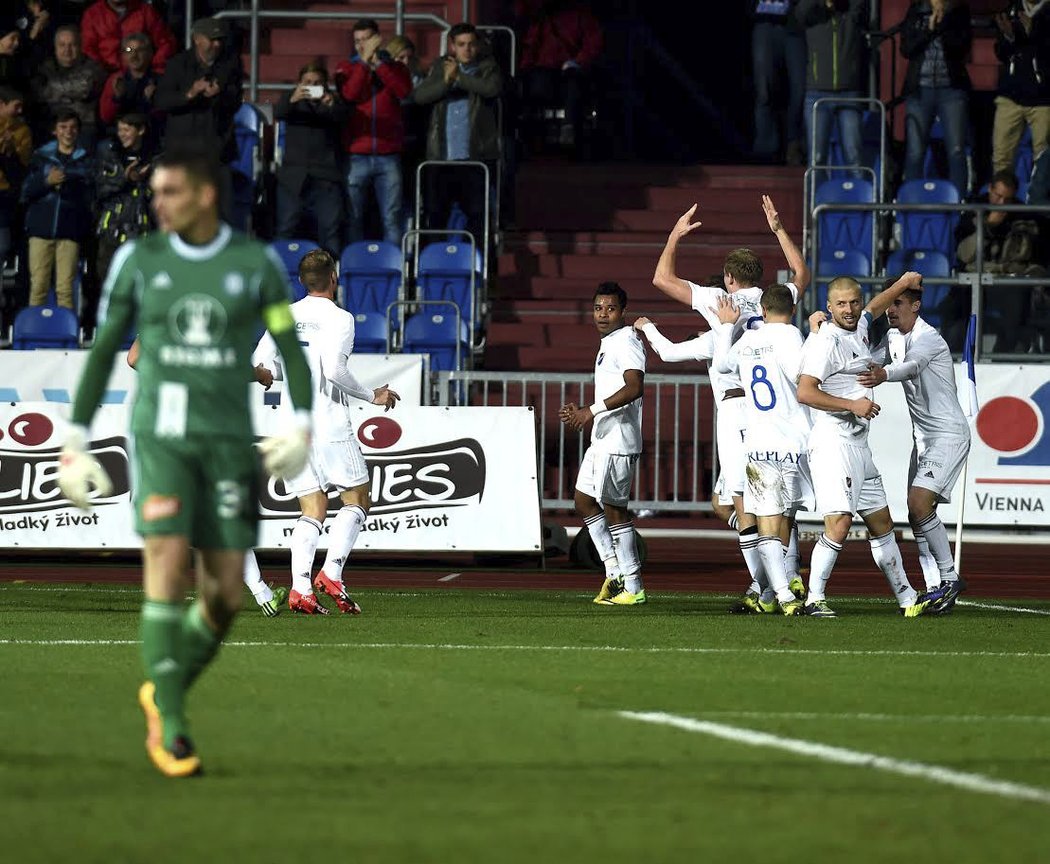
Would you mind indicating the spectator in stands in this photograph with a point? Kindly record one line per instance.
(936, 38)
(130, 91)
(16, 148)
(1023, 48)
(835, 68)
(414, 118)
(41, 29)
(122, 187)
(312, 174)
(14, 64)
(374, 83)
(201, 91)
(106, 23)
(69, 81)
(778, 58)
(561, 42)
(462, 88)
(403, 50)
(58, 193)
(1011, 247)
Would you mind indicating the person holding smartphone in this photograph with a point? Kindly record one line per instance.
(310, 178)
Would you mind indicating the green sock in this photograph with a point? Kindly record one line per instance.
(200, 644)
(161, 627)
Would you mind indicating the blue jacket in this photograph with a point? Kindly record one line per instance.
(62, 212)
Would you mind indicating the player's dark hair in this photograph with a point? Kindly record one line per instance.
(744, 266)
(913, 295)
(200, 166)
(844, 283)
(316, 269)
(366, 24)
(612, 289)
(777, 299)
(460, 30)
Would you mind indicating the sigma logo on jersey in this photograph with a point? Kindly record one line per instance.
(161, 281)
(198, 322)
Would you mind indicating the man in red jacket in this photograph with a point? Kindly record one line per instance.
(374, 84)
(107, 22)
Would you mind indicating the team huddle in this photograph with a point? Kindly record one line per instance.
(792, 422)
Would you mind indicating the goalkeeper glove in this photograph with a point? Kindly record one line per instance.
(78, 471)
(286, 455)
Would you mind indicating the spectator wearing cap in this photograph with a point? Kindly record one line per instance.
(68, 81)
(106, 23)
(130, 91)
(201, 91)
(16, 148)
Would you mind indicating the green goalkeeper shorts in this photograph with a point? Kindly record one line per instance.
(207, 490)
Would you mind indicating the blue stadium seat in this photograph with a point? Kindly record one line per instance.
(45, 327)
(434, 333)
(444, 274)
(248, 128)
(930, 263)
(291, 252)
(370, 332)
(845, 230)
(839, 262)
(371, 273)
(930, 231)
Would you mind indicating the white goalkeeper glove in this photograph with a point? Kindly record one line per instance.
(285, 455)
(78, 471)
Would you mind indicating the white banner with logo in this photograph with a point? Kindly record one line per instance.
(1008, 477)
(460, 479)
(52, 376)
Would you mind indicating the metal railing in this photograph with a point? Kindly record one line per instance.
(673, 474)
(976, 278)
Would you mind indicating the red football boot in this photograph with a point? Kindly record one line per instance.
(305, 603)
(347, 605)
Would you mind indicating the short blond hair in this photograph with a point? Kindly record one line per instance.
(844, 283)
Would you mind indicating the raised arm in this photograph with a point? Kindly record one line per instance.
(884, 299)
(792, 254)
(665, 278)
(675, 352)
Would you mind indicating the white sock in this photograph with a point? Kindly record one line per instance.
(773, 561)
(733, 521)
(927, 563)
(253, 579)
(627, 554)
(341, 539)
(603, 543)
(825, 554)
(748, 540)
(936, 536)
(887, 555)
(792, 560)
(305, 535)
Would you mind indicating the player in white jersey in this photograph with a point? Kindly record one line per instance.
(603, 486)
(845, 478)
(326, 333)
(742, 273)
(767, 361)
(915, 354)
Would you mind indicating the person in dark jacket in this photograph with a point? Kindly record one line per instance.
(201, 91)
(374, 84)
(58, 192)
(311, 176)
(778, 58)
(68, 81)
(463, 88)
(835, 68)
(1023, 48)
(936, 38)
(14, 58)
(133, 88)
(16, 149)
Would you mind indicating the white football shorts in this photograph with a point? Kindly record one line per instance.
(332, 465)
(730, 426)
(607, 477)
(937, 465)
(776, 487)
(845, 479)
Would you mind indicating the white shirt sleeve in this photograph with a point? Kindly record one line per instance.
(266, 353)
(727, 358)
(705, 298)
(676, 352)
(818, 357)
(793, 288)
(334, 362)
(633, 356)
(919, 355)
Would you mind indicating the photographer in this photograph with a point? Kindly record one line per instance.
(311, 175)
(1023, 47)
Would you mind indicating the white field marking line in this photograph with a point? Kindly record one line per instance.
(452, 646)
(450, 577)
(880, 718)
(842, 756)
(996, 607)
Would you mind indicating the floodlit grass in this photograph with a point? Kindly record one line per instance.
(458, 726)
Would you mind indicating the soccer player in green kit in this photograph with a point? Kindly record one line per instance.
(197, 293)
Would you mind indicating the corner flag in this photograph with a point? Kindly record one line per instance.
(972, 406)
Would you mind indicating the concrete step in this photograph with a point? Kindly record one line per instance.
(636, 243)
(525, 264)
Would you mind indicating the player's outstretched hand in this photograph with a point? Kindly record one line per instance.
(873, 377)
(639, 323)
(725, 310)
(78, 472)
(771, 214)
(385, 397)
(264, 376)
(816, 319)
(285, 455)
(684, 226)
(865, 408)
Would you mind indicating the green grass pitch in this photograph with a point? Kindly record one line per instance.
(466, 725)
